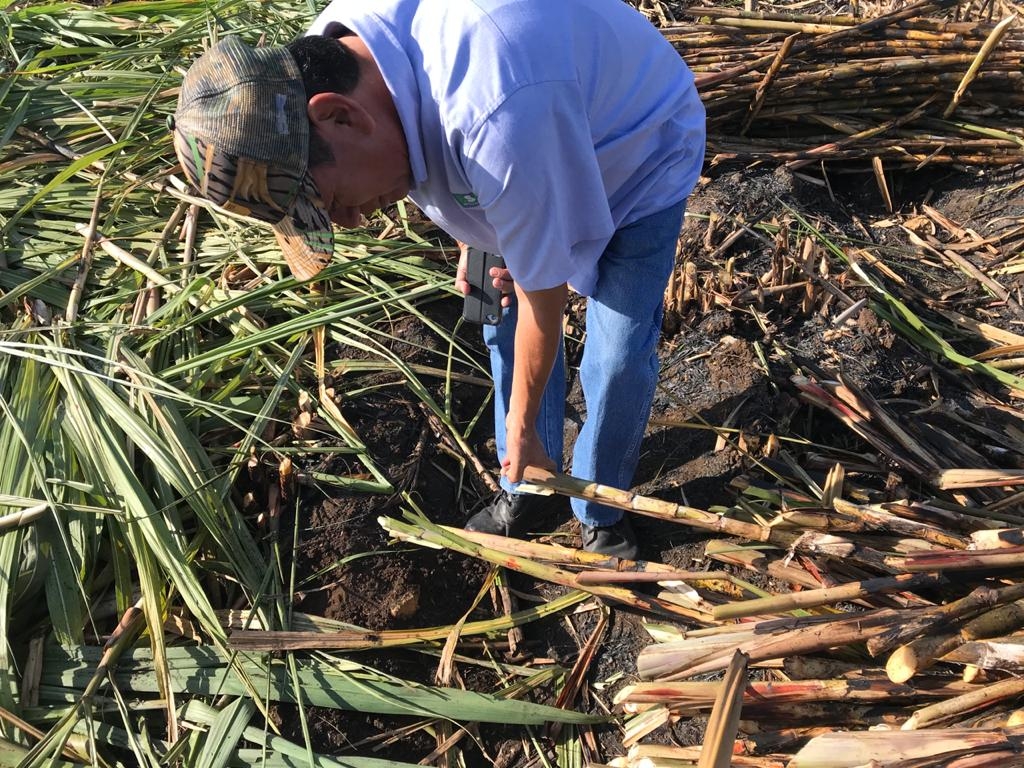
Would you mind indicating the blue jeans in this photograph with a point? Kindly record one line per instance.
(619, 370)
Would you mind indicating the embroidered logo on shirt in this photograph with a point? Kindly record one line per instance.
(466, 200)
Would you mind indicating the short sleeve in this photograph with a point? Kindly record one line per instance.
(534, 170)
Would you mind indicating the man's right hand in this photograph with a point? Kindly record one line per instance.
(523, 448)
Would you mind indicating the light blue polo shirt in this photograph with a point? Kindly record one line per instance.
(536, 128)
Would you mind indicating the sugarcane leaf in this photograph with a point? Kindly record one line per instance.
(16, 116)
(202, 671)
(20, 475)
(258, 758)
(19, 283)
(63, 587)
(225, 732)
(76, 166)
(278, 750)
(12, 755)
(93, 412)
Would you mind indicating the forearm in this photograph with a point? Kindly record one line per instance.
(538, 333)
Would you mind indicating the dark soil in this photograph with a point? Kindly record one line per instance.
(725, 361)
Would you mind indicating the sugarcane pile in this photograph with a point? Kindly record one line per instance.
(900, 621)
(909, 88)
(930, 577)
(931, 637)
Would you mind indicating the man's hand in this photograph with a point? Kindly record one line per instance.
(502, 279)
(523, 448)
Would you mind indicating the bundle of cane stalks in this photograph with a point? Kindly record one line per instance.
(910, 88)
(851, 631)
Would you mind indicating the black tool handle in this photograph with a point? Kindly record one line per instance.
(483, 302)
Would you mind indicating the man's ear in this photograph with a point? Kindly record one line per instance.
(330, 110)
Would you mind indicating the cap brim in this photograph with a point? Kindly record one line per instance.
(305, 236)
(285, 199)
(304, 257)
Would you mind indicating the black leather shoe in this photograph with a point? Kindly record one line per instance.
(507, 515)
(615, 540)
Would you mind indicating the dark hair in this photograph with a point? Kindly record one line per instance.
(327, 66)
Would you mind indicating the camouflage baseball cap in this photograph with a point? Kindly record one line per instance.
(241, 132)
